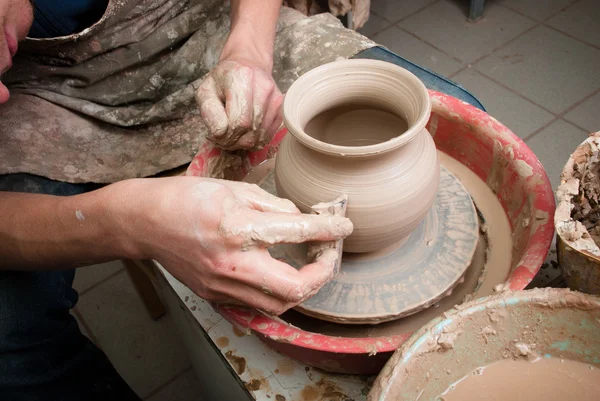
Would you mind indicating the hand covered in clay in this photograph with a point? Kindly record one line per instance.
(240, 104)
(213, 236)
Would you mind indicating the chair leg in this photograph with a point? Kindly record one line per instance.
(476, 10)
(140, 274)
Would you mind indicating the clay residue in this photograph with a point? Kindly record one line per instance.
(222, 342)
(240, 333)
(285, 367)
(323, 390)
(337, 207)
(548, 379)
(578, 211)
(226, 166)
(238, 363)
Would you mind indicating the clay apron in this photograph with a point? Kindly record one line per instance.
(116, 100)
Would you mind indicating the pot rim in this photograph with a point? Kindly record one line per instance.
(350, 67)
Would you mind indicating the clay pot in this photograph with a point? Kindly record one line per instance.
(357, 127)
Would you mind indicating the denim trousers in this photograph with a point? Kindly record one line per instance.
(43, 354)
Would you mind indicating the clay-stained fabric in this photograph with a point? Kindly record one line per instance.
(359, 8)
(117, 100)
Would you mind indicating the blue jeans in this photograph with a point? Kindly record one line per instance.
(43, 354)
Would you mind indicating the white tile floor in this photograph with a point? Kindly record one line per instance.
(533, 63)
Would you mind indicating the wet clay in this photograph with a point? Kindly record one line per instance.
(346, 126)
(547, 379)
(489, 268)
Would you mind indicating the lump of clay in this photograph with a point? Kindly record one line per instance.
(578, 214)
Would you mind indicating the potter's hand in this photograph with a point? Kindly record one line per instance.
(240, 104)
(213, 236)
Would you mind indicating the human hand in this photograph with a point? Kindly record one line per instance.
(213, 236)
(240, 104)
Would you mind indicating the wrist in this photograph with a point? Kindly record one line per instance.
(124, 219)
(247, 42)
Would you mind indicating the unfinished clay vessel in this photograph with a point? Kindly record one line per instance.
(357, 127)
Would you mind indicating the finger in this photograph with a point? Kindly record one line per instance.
(263, 89)
(291, 286)
(275, 125)
(274, 128)
(273, 110)
(275, 228)
(239, 293)
(247, 141)
(238, 101)
(211, 106)
(262, 139)
(253, 197)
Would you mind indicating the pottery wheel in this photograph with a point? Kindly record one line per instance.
(403, 279)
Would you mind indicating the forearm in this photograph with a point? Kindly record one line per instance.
(253, 27)
(43, 232)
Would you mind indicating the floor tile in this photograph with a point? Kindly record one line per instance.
(580, 20)
(88, 276)
(417, 51)
(146, 353)
(184, 388)
(518, 114)
(547, 67)
(444, 25)
(553, 146)
(536, 9)
(374, 25)
(587, 114)
(395, 10)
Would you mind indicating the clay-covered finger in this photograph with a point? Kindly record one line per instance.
(212, 110)
(277, 228)
(280, 280)
(246, 141)
(235, 292)
(273, 110)
(263, 88)
(237, 84)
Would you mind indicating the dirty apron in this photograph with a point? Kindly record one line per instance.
(360, 9)
(116, 101)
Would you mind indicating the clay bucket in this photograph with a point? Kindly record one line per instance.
(578, 255)
(391, 176)
(560, 323)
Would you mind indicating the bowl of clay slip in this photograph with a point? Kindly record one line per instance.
(577, 218)
(357, 127)
(542, 344)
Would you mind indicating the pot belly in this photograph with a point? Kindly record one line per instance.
(388, 194)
